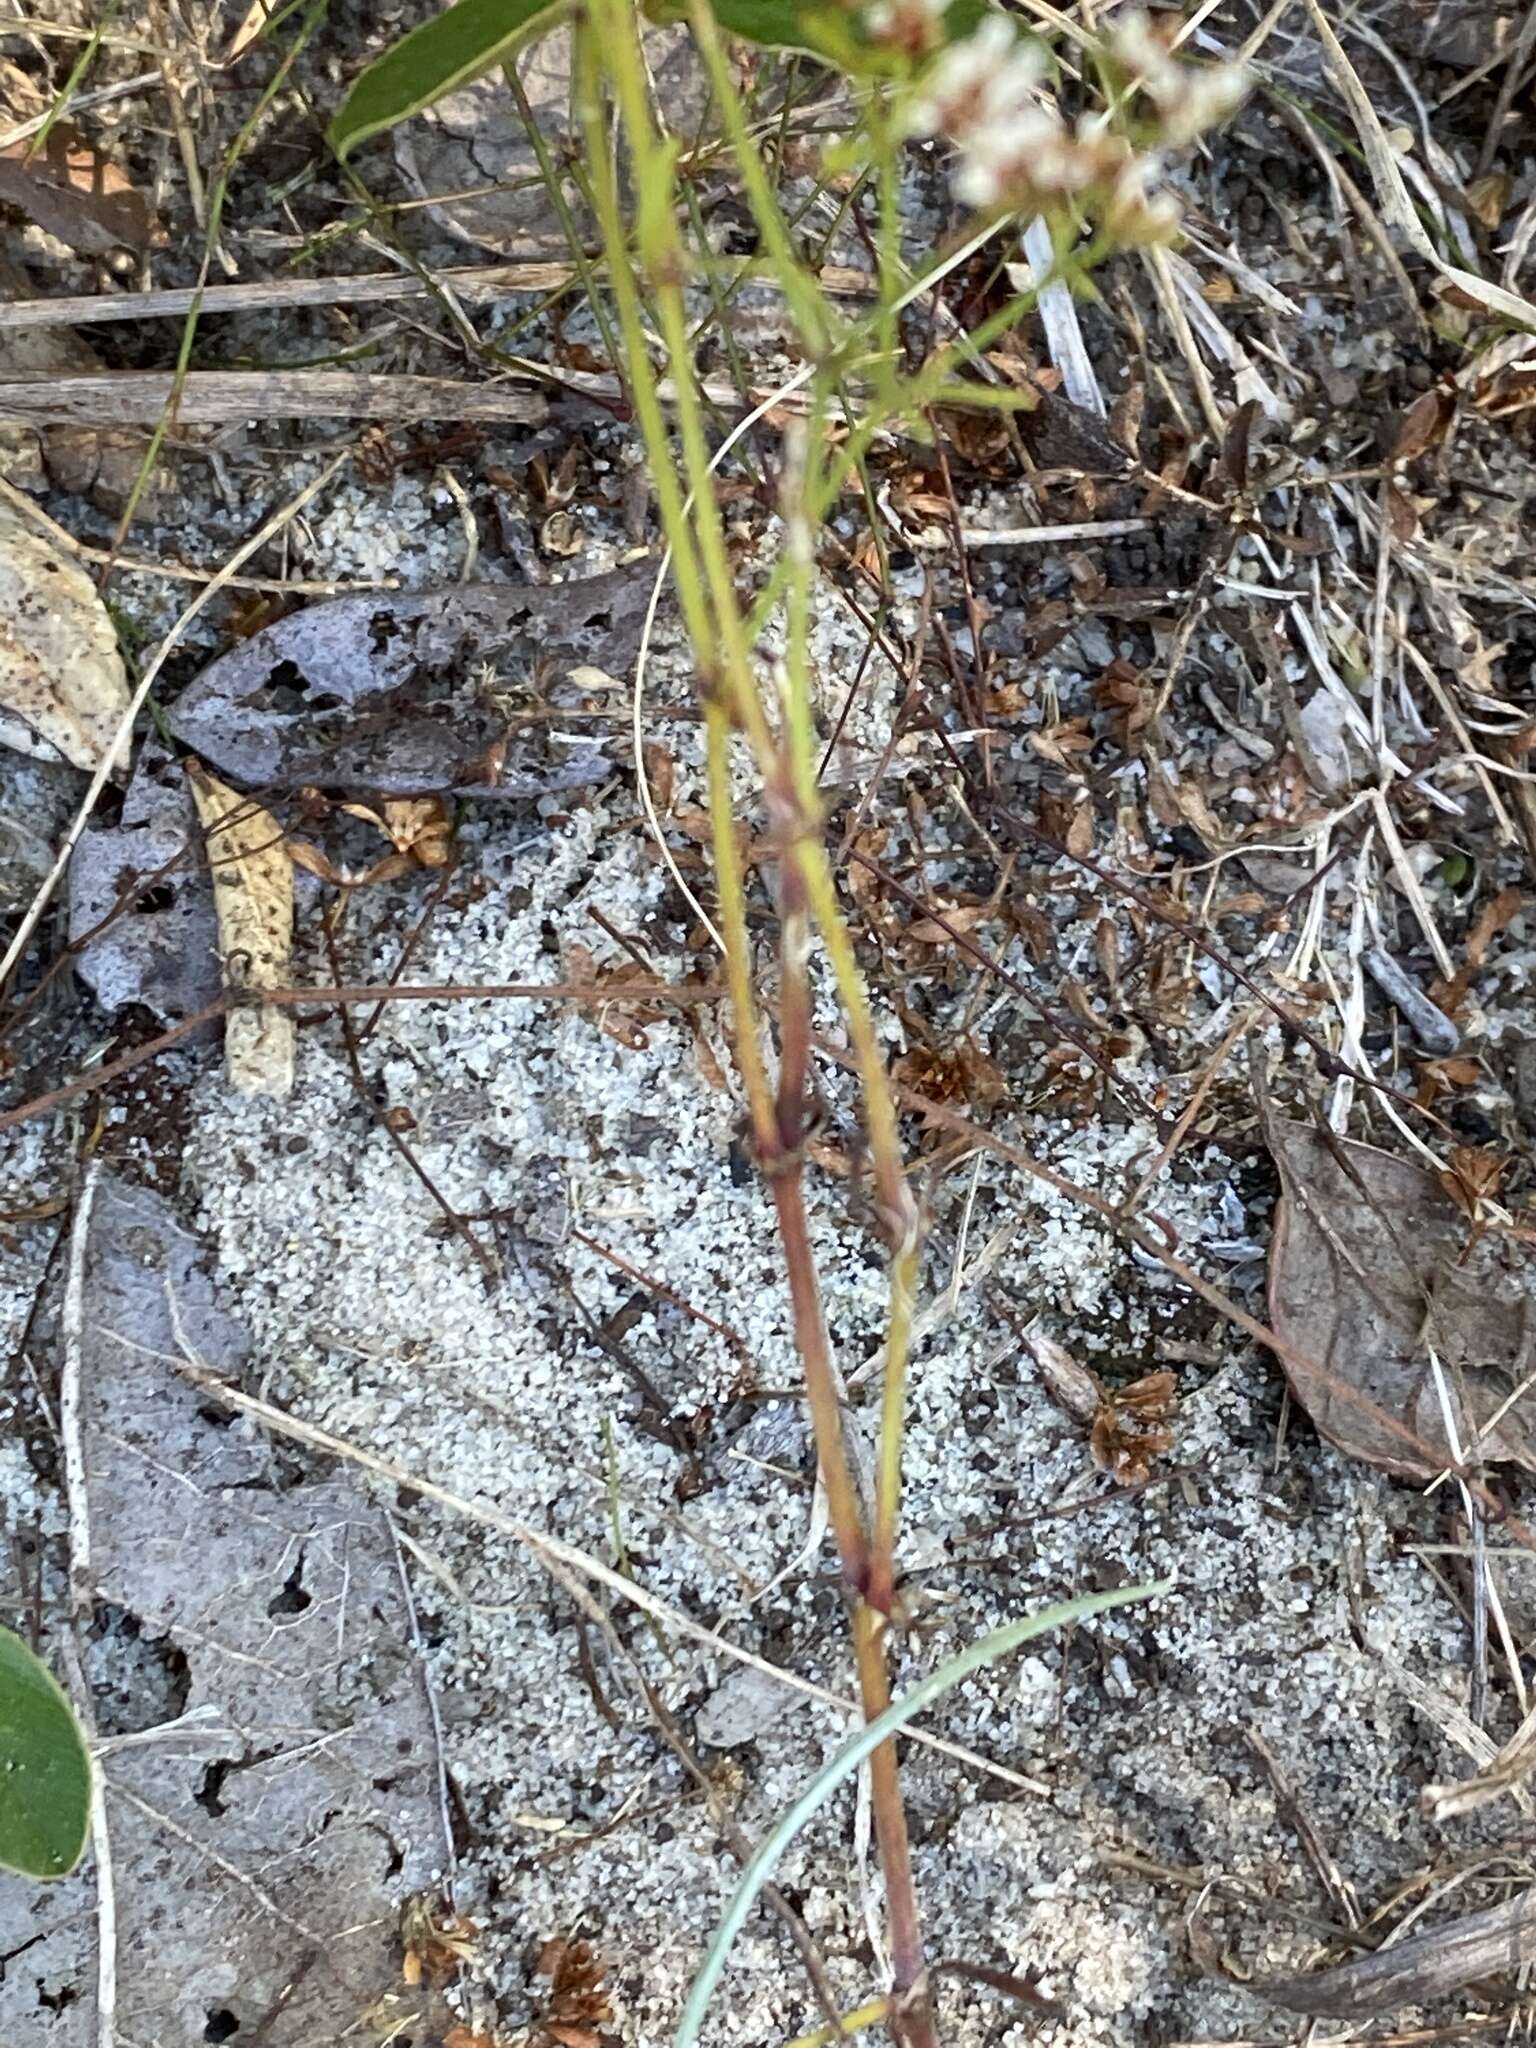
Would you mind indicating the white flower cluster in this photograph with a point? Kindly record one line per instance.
(1016, 151)
(1188, 99)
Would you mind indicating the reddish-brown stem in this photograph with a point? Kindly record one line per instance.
(911, 2020)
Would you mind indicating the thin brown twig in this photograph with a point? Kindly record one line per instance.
(163, 1041)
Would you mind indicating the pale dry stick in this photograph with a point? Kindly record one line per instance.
(1451, 1720)
(718, 1810)
(1484, 1595)
(115, 398)
(1479, 766)
(1160, 271)
(81, 1591)
(743, 426)
(1514, 73)
(1058, 316)
(65, 32)
(429, 1691)
(544, 1546)
(91, 309)
(1046, 536)
(99, 97)
(204, 1854)
(136, 703)
(1510, 1768)
(178, 572)
(1410, 885)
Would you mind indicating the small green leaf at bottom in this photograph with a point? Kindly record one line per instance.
(45, 1775)
(445, 52)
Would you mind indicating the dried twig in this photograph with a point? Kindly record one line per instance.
(82, 1589)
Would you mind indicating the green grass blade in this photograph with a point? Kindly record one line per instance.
(853, 1752)
(445, 52)
(45, 1775)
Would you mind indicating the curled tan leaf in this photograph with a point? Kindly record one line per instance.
(63, 691)
(75, 193)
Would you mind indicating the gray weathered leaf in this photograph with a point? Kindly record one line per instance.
(1370, 1270)
(263, 1848)
(158, 945)
(473, 144)
(386, 693)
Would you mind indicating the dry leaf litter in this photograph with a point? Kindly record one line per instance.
(1149, 1866)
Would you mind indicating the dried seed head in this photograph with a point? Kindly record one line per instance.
(912, 26)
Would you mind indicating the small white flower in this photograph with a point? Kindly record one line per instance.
(975, 80)
(1188, 100)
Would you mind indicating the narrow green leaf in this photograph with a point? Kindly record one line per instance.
(823, 27)
(852, 1754)
(45, 1775)
(445, 52)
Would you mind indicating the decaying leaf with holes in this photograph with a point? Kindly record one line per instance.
(63, 691)
(417, 693)
(253, 898)
(142, 928)
(264, 1848)
(1396, 1311)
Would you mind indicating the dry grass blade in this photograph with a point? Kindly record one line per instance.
(1392, 193)
(1506, 1773)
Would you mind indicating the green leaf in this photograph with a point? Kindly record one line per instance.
(45, 1775)
(853, 1752)
(443, 53)
(823, 27)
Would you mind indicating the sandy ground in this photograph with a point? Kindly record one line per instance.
(1136, 1820)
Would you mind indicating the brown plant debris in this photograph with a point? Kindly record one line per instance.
(1392, 1317)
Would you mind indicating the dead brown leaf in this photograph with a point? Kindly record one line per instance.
(1423, 425)
(1370, 1273)
(1489, 196)
(578, 2002)
(1472, 1177)
(420, 826)
(1130, 1428)
(962, 919)
(1492, 919)
(1073, 1386)
(1123, 690)
(960, 1073)
(75, 193)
